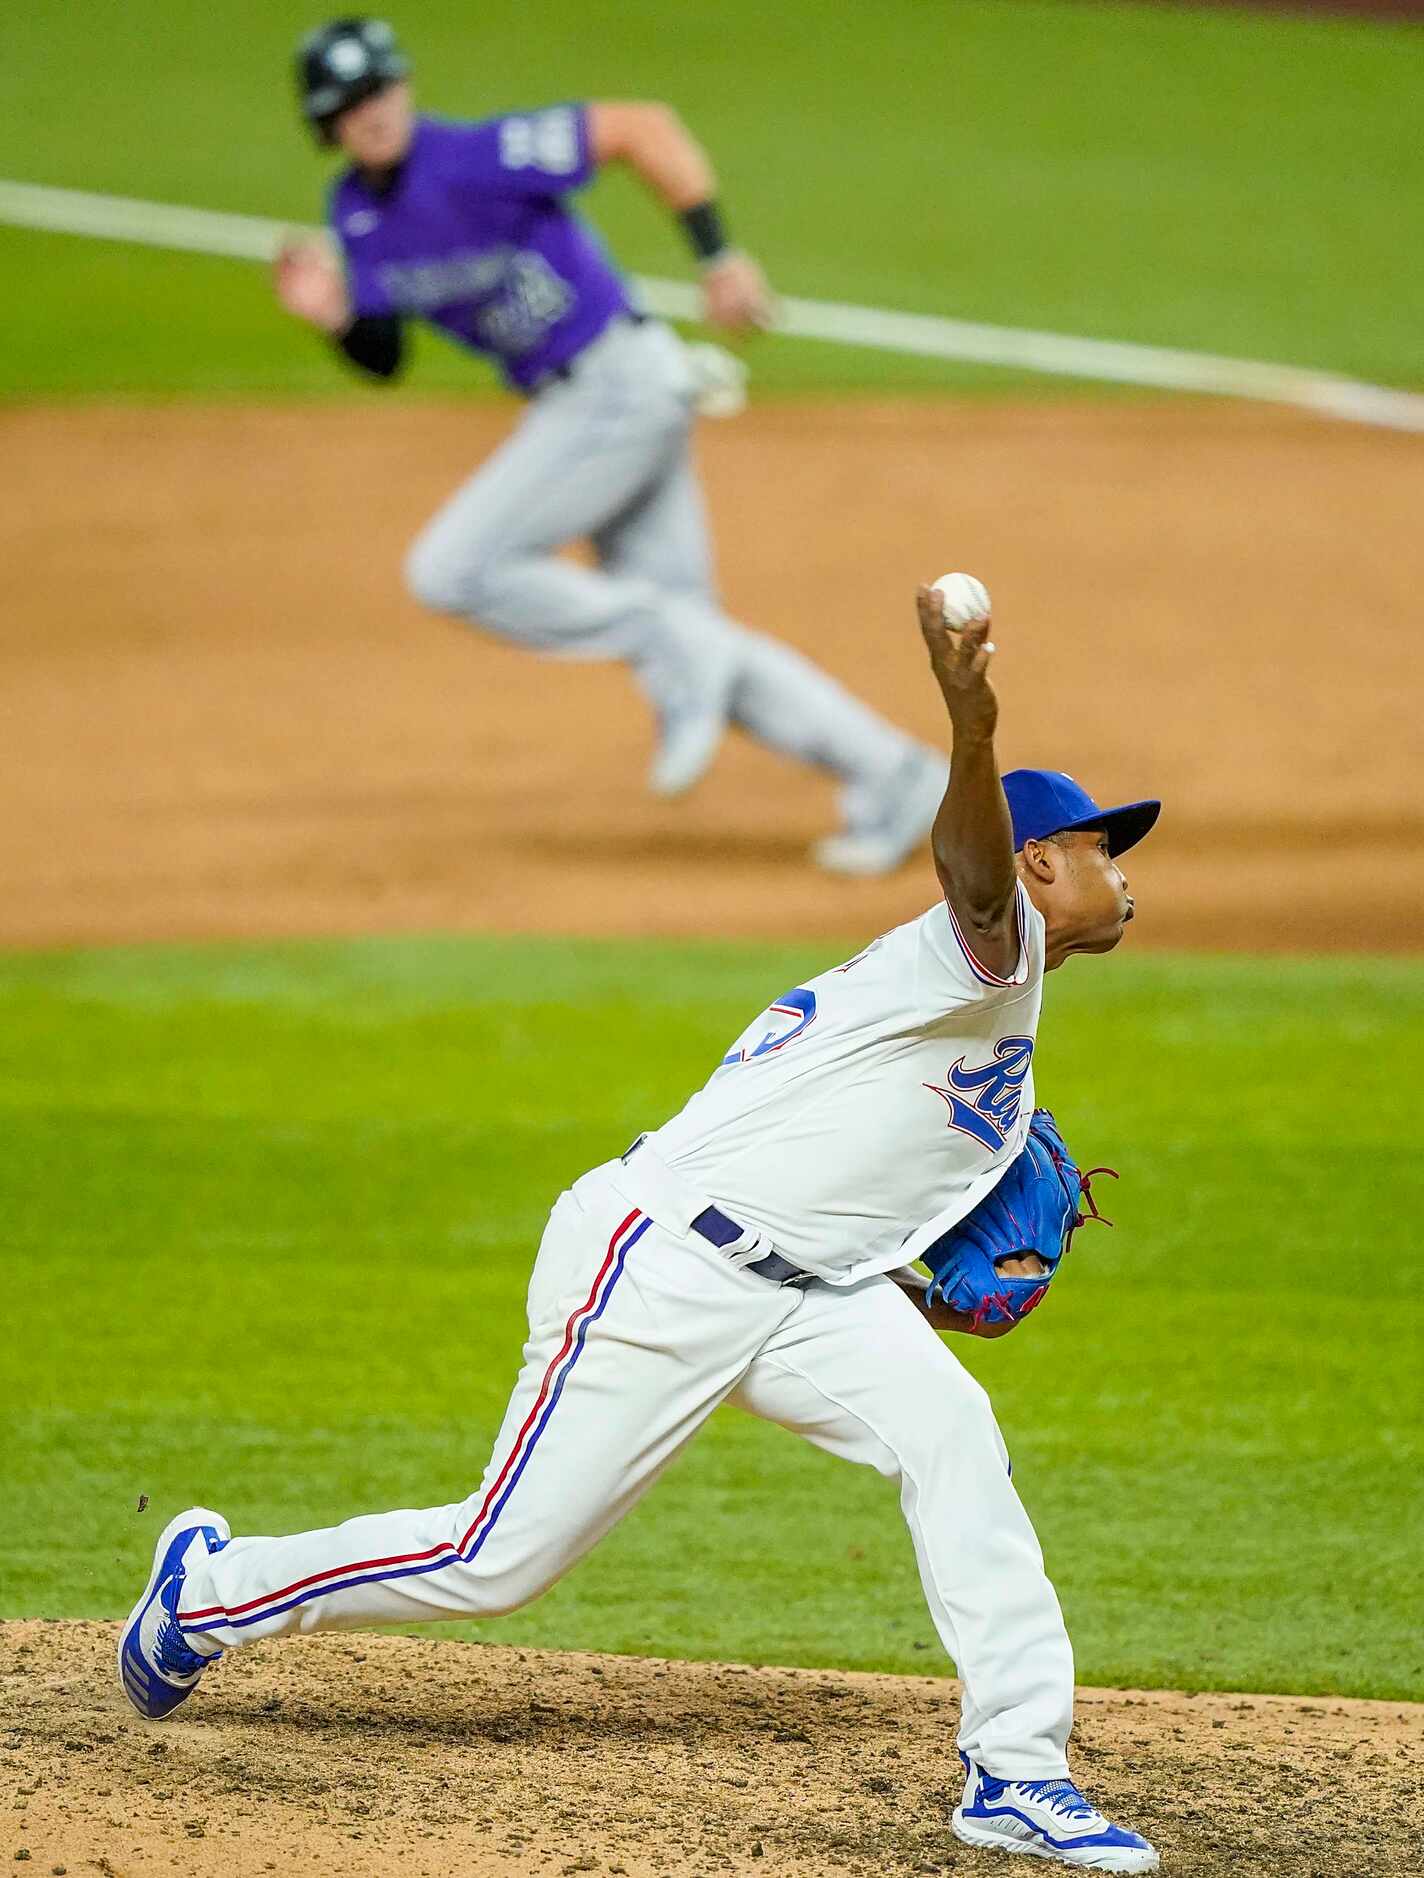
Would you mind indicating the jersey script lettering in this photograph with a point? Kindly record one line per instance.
(984, 1102)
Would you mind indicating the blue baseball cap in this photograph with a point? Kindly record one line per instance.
(1044, 802)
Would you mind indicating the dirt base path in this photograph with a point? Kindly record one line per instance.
(370, 1755)
(220, 713)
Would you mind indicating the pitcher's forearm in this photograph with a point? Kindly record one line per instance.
(972, 838)
(939, 1315)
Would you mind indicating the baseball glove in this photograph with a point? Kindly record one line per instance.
(1036, 1207)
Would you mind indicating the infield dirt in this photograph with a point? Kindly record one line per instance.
(222, 714)
(371, 1755)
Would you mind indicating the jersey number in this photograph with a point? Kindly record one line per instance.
(547, 141)
(788, 1017)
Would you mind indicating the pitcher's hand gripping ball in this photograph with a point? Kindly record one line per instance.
(1036, 1207)
(963, 600)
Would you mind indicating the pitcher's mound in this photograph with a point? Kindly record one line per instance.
(414, 1759)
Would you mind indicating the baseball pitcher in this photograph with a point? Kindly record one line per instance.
(757, 1248)
(468, 227)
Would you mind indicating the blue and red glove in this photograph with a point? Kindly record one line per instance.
(1036, 1207)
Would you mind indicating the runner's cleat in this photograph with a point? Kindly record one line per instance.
(157, 1669)
(884, 828)
(689, 684)
(688, 740)
(1046, 1819)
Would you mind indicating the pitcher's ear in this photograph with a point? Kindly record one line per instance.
(1039, 860)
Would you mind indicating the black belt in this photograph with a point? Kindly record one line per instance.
(567, 367)
(719, 1229)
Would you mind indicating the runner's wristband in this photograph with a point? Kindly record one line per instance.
(705, 232)
(375, 342)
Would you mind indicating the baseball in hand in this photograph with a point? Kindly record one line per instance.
(962, 599)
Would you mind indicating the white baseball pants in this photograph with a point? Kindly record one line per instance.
(605, 455)
(636, 1333)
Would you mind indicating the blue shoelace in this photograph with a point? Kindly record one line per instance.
(1061, 1795)
(172, 1652)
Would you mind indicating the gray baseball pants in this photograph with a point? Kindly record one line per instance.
(605, 455)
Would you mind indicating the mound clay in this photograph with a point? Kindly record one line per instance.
(376, 1755)
(222, 715)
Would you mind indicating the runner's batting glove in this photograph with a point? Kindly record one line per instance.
(1036, 1207)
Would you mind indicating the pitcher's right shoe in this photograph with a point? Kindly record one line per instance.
(157, 1669)
(1046, 1819)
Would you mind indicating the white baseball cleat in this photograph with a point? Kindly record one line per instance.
(689, 685)
(1045, 1819)
(884, 827)
(688, 740)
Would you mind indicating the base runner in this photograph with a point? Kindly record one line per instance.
(754, 1249)
(467, 227)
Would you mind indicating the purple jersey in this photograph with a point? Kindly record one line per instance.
(475, 238)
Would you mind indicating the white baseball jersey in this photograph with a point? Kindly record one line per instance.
(866, 1111)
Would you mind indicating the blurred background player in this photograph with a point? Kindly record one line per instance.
(466, 225)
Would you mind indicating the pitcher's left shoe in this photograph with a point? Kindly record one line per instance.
(886, 825)
(157, 1669)
(1046, 1819)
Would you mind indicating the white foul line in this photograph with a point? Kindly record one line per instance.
(255, 238)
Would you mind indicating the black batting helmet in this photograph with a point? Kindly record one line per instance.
(342, 63)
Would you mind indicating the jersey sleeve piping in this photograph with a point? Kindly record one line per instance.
(982, 972)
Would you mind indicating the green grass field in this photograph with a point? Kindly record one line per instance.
(267, 1215)
(1200, 178)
